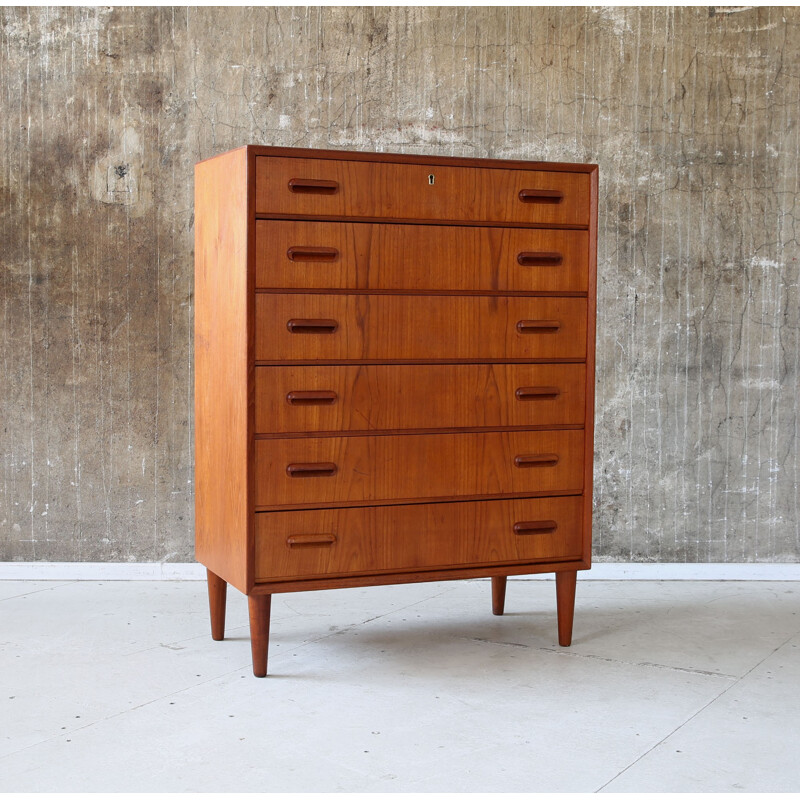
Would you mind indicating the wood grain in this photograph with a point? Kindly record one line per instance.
(217, 595)
(565, 601)
(279, 585)
(418, 258)
(259, 607)
(222, 359)
(404, 191)
(419, 328)
(499, 583)
(382, 402)
(272, 151)
(396, 397)
(426, 466)
(401, 538)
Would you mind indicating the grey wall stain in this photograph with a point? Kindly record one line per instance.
(692, 114)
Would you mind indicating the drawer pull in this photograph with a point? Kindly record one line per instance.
(312, 186)
(532, 528)
(549, 196)
(311, 539)
(324, 469)
(537, 392)
(312, 325)
(312, 253)
(539, 259)
(540, 460)
(315, 398)
(538, 326)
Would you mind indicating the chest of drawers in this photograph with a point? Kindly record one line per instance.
(394, 373)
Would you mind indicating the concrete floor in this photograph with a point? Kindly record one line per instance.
(669, 686)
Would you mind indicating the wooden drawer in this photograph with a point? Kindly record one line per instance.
(402, 397)
(298, 544)
(331, 188)
(323, 327)
(419, 258)
(359, 469)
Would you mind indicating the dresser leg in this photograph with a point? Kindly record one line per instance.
(498, 594)
(565, 600)
(259, 631)
(217, 592)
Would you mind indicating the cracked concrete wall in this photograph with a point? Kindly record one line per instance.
(691, 113)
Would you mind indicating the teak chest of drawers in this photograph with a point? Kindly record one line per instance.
(394, 373)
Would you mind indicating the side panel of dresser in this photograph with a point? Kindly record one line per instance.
(222, 346)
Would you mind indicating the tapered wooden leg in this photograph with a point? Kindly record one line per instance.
(498, 594)
(565, 600)
(259, 631)
(217, 592)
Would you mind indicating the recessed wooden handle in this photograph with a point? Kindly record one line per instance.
(548, 196)
(311, 540)
(312, 325)
(531, 259)
(538, 326)
(315, 398)
(312, 254)
(538, 460)
(534, 527)
(312, 186)
(537, 392)
(323, 469)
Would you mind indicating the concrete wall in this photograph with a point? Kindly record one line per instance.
(691, 113)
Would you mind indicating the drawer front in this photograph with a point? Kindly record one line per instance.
(326, 187)
(320, 327)
(357, 255)
(298, 544)
(359, 469)
(397, 397)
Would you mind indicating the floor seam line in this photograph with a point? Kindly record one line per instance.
(124, 711)
(699, 672)
(60, 585)
(699, 711)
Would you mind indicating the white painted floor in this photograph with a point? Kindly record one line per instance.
(668, 687)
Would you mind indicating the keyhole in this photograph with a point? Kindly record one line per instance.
(431, 179)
